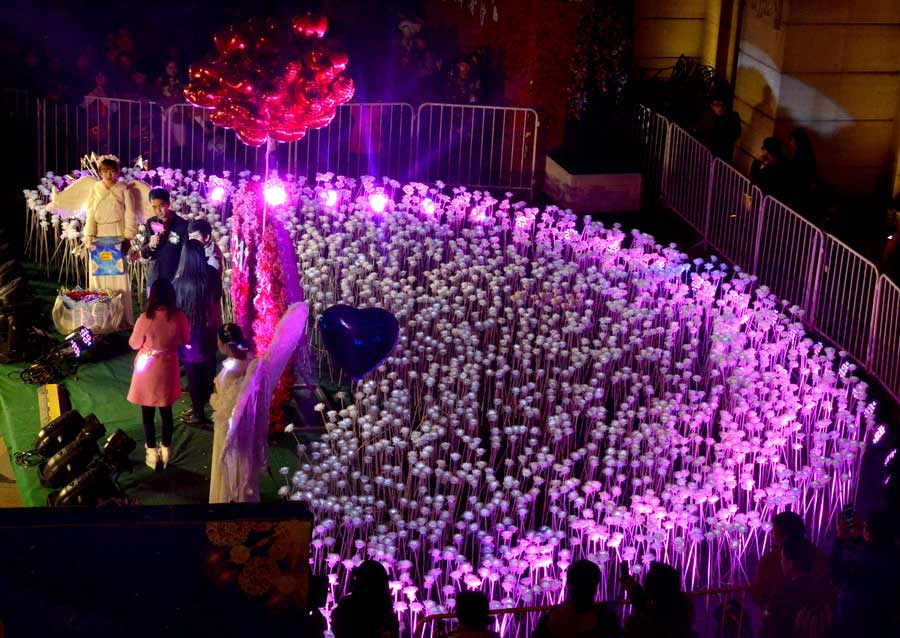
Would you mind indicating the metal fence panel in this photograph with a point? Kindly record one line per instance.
(788, 253)
(686, 179)
(650, 133)
(125, 128)
(478, 146)
(194, 142)
(845, 294)
(884, 347)
(362, 139)
(734, 209)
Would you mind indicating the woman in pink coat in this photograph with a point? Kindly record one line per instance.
(156, 381)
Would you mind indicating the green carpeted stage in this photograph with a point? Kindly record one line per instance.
(100, 388)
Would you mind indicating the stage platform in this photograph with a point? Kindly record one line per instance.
(100, 388)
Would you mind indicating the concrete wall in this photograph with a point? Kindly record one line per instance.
(831, 67)
(666, 29)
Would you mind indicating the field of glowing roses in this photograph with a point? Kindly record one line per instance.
(560, 390)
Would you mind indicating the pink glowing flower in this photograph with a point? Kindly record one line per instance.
(378, 201)
(275, 194)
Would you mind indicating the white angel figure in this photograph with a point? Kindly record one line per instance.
(112, 210)
(237, 463)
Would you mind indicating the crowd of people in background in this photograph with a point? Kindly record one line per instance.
(422, 67)
(119, 71)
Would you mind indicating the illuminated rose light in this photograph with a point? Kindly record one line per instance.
(217, 195)
(378, 201)
(330, 198)
(275, 194)
(551, 398)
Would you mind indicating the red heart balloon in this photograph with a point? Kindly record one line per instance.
(270, 79)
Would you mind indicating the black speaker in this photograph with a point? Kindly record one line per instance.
(85, 490)
(74, 458)
(58, 433)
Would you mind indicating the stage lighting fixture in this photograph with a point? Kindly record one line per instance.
(85, 490)
(75, 457)
(116, 451)
(78, 341)
(58, 433)
(99, 479)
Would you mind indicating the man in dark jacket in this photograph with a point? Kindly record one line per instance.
(719, 129)
(165, 235)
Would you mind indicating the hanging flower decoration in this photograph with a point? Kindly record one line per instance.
(272, 80)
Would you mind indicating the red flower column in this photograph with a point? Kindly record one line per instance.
(263, 284)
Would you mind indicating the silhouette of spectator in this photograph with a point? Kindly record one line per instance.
(719, 128)
(472, 613)
(317, 598)
(801, 607)
(768, 172)
(169, 85)
(733, 621)
(660, 608)
(367, 612)
(800, 166)
(787, 528)
(580, 616)
(865, 567)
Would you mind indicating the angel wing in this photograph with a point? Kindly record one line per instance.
(141, 197)
(246, 448)
(72, 200)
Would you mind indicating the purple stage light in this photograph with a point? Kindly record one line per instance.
(879, 433)
(428, 206)
(890, 457)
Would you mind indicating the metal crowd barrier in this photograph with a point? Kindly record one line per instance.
(788, 253)
(686, 185)
(650, 131)
(362, 139)
(193, 141)
(884, 346)
(727, 611)
(478, 146)
(472, 145)
(126, 128)
(734, 213)
(839, 290)
(845, 296)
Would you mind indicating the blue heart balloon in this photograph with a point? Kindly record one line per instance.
(358, 340)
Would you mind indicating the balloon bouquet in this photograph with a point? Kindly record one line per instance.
(270, 80)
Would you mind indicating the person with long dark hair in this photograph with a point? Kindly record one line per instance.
(199, 292)
(368, 611)
(156, 381)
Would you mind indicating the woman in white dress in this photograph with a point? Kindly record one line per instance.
(228, 387)
(111, 216)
